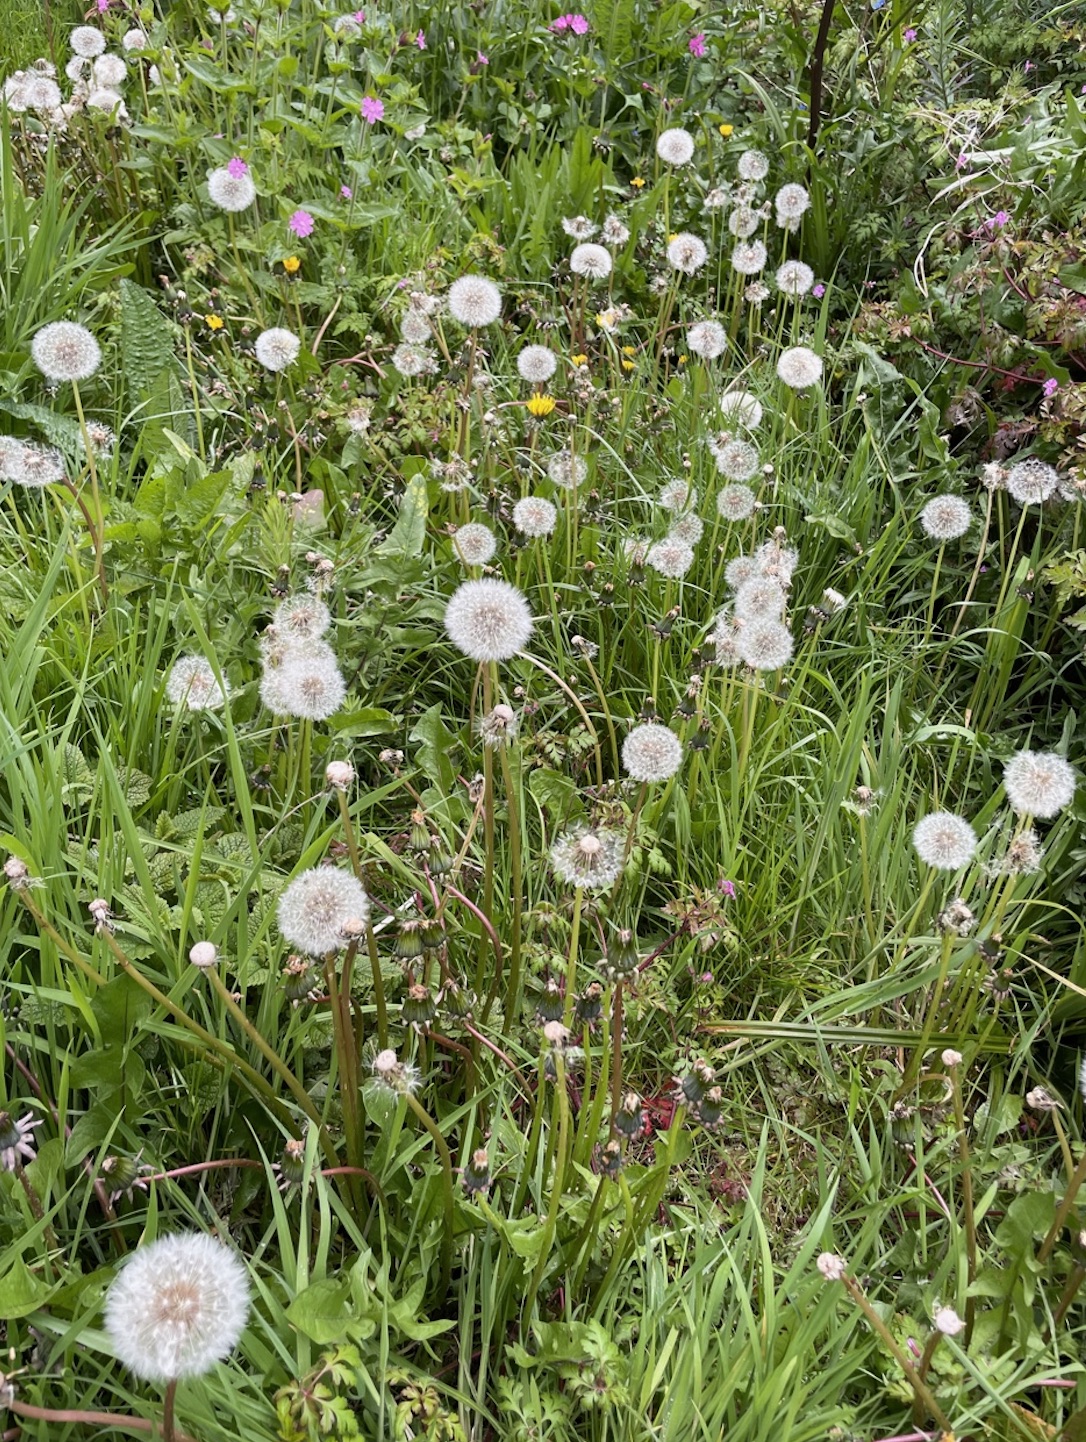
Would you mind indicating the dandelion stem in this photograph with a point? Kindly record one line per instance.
(920, 1388)
(1062, 1211)
(112, 1420)
(571, 961)
(169, 1433)
(558, 1180)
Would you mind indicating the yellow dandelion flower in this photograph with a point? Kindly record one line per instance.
(292, 265)
(541, 405)
(629, 350)
(682, 360)
(629, 365)
(673, 236)
(579, 360)
(726, 130)
(214, 322)
(637, 182)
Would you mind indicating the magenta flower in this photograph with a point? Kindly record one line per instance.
(728, 888)
(818, 291)
(346, 192)
(372, 109)
(301, 223)
(998, 221)
(481, 59)
(237, 167)
(420, 40)
(908, 35)
(577, 23)
(103, 6)
(1050, 387)
(359, 16)
(697, 46)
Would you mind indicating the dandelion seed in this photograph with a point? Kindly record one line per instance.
(737, 460)
(579, 228)
(392, 1075)
(109, 102)
(945, 518)
(1023, 856)
(567, 470)
(687, 253)
(753, 165)
(177, 1306)
(765, 644)
(591, 261)
(488, 620)
(87, 42)
(412, 360)
(688, 529)
(794, 278)
(675, 147)
(741, 407)
(718, 198)
(307, 685)
(759, 597)
(192, 683)
(315, 908)
(38, 466)
(799, 368)
(726, 640)
(591, 859)
(301, 618)
(499, 726)
(133, 40)
(475, 544)
(534, 516)
(736, 503)
(743, 222)
(944, 841)
(1031, 481)
(11, 457)
(670, 557)
(741, 568)
(792, 203)
(614, 232)
(64, 351)
(652, 752)
(749, 257)
(277, 349)
(536, 364)
(707, 339)
(677, 495)
(109, 72)
(230, 189)
(474, 301)
(1038, 783)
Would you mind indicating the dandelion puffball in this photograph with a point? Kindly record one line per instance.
(475, 544)
(671, 557)
(794, 278)
(231, 192)
(741, 407)
(792, 202)
(177, 1306)
(488, 620)
(192, 683)
(945, 518)
(591, 261)
(535, 516)
(675, 147)
(590, 859)
(64, 351)
(944, 841)
(749, 257)
(314, 910)
(87, 42)
(276, 349)
(567, 470)
(537, 363)
(765, 644)
(799, 367)
(1038, 783)
(707, 339)
(1032, 481)
(753, 165)
(736, 503)
(474, 301)
(652, 752)
(687, 253)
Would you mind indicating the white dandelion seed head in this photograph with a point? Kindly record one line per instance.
(707, 339)
(760, 597)
(567, 470)
(1032, 481)
(276, 349)
(191, 683)
(792, 202)
(947, 1321)
(415, 327)
(177, 1306)
(689, 529)
(204, 955)
(579, 227)
(677, 495)
(65, 351)
(589, 858)
(76, 69)
(233, 193)
(776, 559)
(133, 40)
(737, 460)
(687, 252)
(592, 261)
(736, 503)
(741, 569)
(743, 222)
(39, 466)
(799, 367)
(87, 42)
(743, 408)
(359, 417)
(102, 438)
(315, 909)
(499, 726)
(670, 557)
(11, 457)
(652, 752)
(675, 146)
(749, 257)
(944, 841)
(300, 619)
(109, 72)
(765, 644)
(719, 197)
(945, 518)
(475, 544)
(307, 684)
(753, 165)
(614, 232)
(41, 93)
(725, 638)
(413, 360)
(109, 102)
(536, 364)
(535, 516)
(1038, 783)
(488, 620)
(794, 278)
(474, 301)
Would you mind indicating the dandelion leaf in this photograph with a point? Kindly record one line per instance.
(146, 341)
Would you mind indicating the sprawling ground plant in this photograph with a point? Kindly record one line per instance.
(543, 594)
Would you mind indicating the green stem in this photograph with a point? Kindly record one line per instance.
(558, 1181)
(447, 1194)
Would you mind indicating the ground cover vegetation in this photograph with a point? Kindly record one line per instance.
(543, 594)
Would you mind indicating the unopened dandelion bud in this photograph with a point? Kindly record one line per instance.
(550, 1005)
(339, 775)
(476, 1175)
(419, 839)
(951, 1058)
(100, 914)
(440, 859)
(457, 1000)
(419, 1008)
(588, 1007)
(352, 928)
(629, 1119)
(291, 1166)
(122, 1176)
(610, 1158)
(203, 955)
(299, 980)
(409, 940)
(711, 1108)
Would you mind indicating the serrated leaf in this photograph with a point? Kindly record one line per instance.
(146, 340)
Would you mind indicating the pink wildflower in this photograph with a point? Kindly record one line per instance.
(481, 59)
(1050, 387)
(998, 221)
(372, 109)
(359, 16)
(346, 192)
(728, 888)
(818, 291)
(697, 46)
(103, 6)
(420, 40)
(578, 24)
(908, 35)
(301, 223)
(237, 167)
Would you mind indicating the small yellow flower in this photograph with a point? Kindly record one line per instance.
(214, 322)
(673, 236)
(579, 360)
(629, 365)
(726, 130)
(637, 182)
(629, 350)
(292, 265)
(682, 360)
(541, 405)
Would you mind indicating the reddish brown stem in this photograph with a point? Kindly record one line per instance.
(118, 1420)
